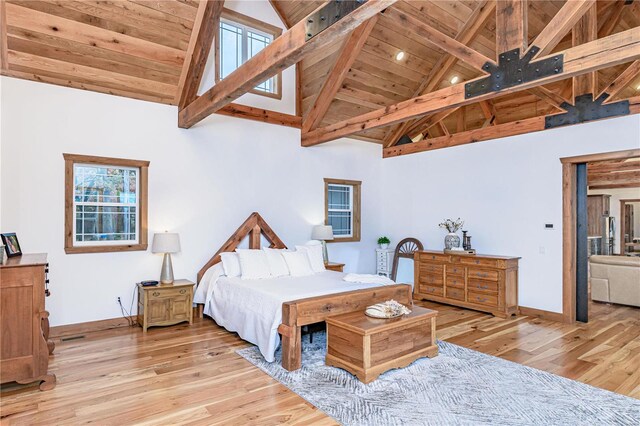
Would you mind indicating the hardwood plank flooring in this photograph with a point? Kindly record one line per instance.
(191, 374)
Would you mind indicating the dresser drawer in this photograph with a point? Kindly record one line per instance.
(455, 281)
(427, 289)
(455, 293)
(483, 299)
(433, 257)
(479, 261)
(482, 285)
(483, 274)
(455, 270)
(430, 268)
(431, 279)
(166, 293)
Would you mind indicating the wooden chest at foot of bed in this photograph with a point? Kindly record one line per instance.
(367, 347)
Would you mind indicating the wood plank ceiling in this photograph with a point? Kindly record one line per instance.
(137, 48)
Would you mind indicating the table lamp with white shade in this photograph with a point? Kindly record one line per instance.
(167, 243)
(323, 233)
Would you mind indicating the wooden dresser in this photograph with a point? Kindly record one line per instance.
(480, 282)
(24, 321)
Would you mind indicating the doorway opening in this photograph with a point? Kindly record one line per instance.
(599, 213)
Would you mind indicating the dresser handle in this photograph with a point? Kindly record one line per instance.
(183, 291)
(481, 275)
(485, 287)
(477, 262)
(481, 299)
(155, 294)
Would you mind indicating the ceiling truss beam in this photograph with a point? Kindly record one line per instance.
(292, 46)
(511, 26)
(610, 51)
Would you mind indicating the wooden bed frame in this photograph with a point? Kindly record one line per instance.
(298, 313)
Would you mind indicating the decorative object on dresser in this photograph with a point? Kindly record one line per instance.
(384, 242)
(165, 304)
(452, 240)
(481, 282)
(24, 343)
(384, 262)
(11, 244)
(334, 266)
(367, 347)
(166, 243)
(405, 249)
(323, 233)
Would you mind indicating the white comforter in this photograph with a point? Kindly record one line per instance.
(253, 308)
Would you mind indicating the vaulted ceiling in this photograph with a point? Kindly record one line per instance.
(137, 48)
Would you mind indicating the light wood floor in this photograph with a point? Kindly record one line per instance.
(191, 375)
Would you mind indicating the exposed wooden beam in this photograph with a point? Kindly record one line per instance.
(613, 19)
(438, 39)
(461, 124)
(283, 18)
(586, 30)
(4, 61)
(204, 30)
(471, 28)
(333, 82)
(489, 112)
(258, 114)
(520, 127)
(291, 47)
(560, 25)
(429, 121)
(511, 26)
(613, 166)
(615, 185)
(549, 96)
(622, 81)
(610, 51)
(443, 128)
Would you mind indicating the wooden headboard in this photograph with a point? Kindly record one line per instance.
(254, 226)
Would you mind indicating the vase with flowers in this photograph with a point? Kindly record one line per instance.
(452, 240)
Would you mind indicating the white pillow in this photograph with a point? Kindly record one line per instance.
(298, 263)
(314, 253)
(277, 265)
(231, 264)
(253, 264)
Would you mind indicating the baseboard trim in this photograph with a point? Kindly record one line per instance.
(88, 327)
(539, 313)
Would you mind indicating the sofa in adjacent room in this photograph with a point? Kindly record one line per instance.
(615, 279)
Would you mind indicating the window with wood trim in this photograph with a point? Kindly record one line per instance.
(105, 204)
(342, 200)
(240, 38)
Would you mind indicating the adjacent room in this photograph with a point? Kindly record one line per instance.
(354, 212)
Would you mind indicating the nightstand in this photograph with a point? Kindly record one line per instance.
(332, 266)
(165, 304)
(384, 261)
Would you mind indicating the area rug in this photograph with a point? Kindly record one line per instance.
(458, 387)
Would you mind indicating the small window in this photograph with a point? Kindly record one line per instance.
(241, 38)
(106, 204)
(342, 208)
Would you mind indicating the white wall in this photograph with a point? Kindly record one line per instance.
(203, 182)
(505, 190)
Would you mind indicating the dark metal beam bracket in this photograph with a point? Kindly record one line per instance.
(512, 70)
(328, 15)
(586, 109)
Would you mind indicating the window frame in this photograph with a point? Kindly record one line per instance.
(356, 197)
(259, 26)
(71, 160)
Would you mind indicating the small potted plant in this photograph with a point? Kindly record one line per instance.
(384, 242)
(452, 240)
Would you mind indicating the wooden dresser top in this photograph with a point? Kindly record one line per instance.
(27, 259)
(472, 256)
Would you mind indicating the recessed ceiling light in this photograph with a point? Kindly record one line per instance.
(638, 88)
(400, 55)
(455, 79)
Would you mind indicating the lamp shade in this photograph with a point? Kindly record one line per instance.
(322, 233)
(166, 242)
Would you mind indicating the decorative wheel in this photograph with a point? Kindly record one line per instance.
(405, 248)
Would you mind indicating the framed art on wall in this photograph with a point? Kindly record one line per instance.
(12, 246)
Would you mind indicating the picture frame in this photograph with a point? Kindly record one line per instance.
(11, 244)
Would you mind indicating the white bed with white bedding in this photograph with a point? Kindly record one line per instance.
(253, 308)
